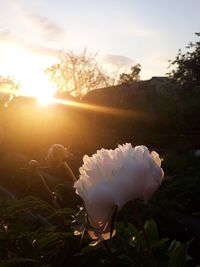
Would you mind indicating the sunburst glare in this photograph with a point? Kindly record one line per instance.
(42, 89)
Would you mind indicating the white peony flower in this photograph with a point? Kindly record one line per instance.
(112, 178)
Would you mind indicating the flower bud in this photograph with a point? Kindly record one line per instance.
(57, 154)
(33, 164)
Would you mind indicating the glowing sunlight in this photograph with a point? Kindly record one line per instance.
(41, 88)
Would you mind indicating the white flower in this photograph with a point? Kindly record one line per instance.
(57, 154)
(112, 178)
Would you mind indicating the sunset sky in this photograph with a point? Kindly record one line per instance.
(148, 32)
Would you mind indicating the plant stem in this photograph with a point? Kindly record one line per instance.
(146, 239)
(70, 172)
(44, 183)
(52, 195)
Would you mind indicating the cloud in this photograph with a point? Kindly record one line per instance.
(117, 60)
(50, 29)
(141, 32)
(7, 36)
(40, 49)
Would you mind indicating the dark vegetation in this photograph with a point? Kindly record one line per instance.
(163, 114)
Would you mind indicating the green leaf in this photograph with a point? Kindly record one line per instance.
(151, 230)
(18, 261)
(136, 240)
(50, 239)
(65, 211)
(13, 206)
(178, 255)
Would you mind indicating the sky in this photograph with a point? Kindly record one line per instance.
(124, 33)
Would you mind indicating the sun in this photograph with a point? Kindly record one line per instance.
(29, 70)
(44, 100)
(40, 88)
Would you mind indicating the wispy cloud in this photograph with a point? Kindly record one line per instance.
(7, 36)
(41, 49)
(50, 29)
(140, 31)
(117, 60)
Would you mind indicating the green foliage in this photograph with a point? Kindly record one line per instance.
(181, 184)
(166, 252)
(10, 207)
(178, 254)
(187, 64)
(152, 231)
(8, 89)
(28, 240)
(19, 262)
(129, 78)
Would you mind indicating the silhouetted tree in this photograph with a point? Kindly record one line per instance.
(8, 89)
(128, 78)
(187, 65)
(77, 73)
